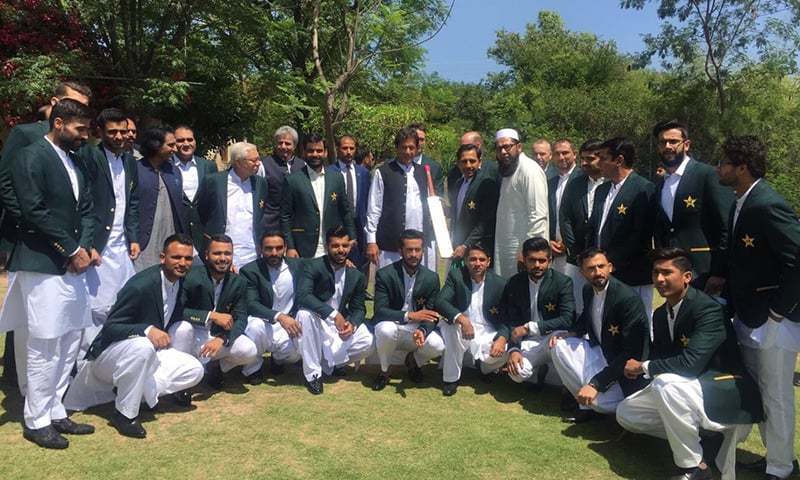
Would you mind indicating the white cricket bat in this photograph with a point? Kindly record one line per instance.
(443, 243)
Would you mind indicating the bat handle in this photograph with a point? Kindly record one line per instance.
(431, 191)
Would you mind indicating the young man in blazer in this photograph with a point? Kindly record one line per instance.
(356, 182)
(698, 379)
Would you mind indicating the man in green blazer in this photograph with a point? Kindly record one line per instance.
(470, 304)
(698, 377)
(564, 162)
(234, 203)
(615, 325)
(530, 329)
(763, 285)
(133, 357)
(405, 320)
(214, 316)
(313, 202)
(272, 284)
(331, 299)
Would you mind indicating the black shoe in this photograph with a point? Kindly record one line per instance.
(380, 382)
(568, 402)
(128, 427)
(449, 389)
(45, 437)
(760, 465)
(214, 378)
(276, 368)
(65, 425)
(183, 398)
(695, 473)
(581, 416)
(256, 378)
(340, 371)
(314, 386)
(414, 372)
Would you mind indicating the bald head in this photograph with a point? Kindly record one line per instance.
(473, 138)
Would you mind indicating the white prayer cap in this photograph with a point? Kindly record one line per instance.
(506, 133)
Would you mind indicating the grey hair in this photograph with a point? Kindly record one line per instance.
(238, 151)
(286, 130)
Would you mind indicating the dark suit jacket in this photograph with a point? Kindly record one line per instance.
(317, 286)
(300, 222)
(477, 219)
(275, 172)
(628, 233)
(456, 296)
(573, 217)
(260, 295)
(148, 198)
(699, 218)
(624, 333)
(363, 182)
(193, 223)
(552, 186)
(390, 294)
(198, 301)
(555, 303)
(53, 224)
(764, 258)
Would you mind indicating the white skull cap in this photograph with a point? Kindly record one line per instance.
(506, 133)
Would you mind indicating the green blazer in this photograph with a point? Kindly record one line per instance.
(98, 175)
(699, 219)
(624, 333)
(476, 221)
(317, 286)
(260, 295)
(53, 224)
(555, 303)
(198, 301)
(299, 219)
(456, 296)
(703, 345)
(204, 168)
(212, 206)
(573, 217)
(139, 305)
(390, 294)
(763, 263)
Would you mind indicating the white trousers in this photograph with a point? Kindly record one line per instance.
(578, 281)
(138, 371)
(322, 349)
(50, 362)
(190, 339)
(429, 258)
(390, 336)
(646, 294)
(671, 407)
(576, 363)
(272, 338)
(456, 347)
(535, 354)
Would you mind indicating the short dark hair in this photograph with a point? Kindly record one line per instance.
(591, 252)
(181, 238)
(746, 150)
(221, 238)
(468, 147)
(671, 125)
(114, 115)
(590, 145)
(565, 140)
(411, 234)
(679, 257)
(341, 137)
(418, 126)
(152, 139)
(67, 110)
(183, 126)
(362, 152)
(621, 146)
(404, 134)
(480, 247)
(61, 89)
(536, 244)
(312, 138)
(272, 233)
(337, 231)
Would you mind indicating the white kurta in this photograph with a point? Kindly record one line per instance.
(239, 217)
(523, 203)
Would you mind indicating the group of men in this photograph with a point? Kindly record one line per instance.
(154, 273)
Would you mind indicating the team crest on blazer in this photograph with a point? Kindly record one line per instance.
(690, 202)
(550, 307)
(684, 341)
(748, 241)
(261, 204)
(471, 205)
(333, 197)
(613, 330)
(622, 209)
(493, 311)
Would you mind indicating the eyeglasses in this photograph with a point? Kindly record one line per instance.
(670, 142)
(507, 146)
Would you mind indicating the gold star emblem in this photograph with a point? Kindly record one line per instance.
(333, 197)
(261, 204)
(421, 301)
(550, 307)
(690, 202)
(684, 341)
(749, 241)
(493, 311)
(622, 209)
(471, 205)
(613, 330)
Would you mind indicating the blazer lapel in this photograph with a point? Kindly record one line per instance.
(104, 166)
(680, 192)
(309, 187)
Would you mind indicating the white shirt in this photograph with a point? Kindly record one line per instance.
(475, 310)
(671, 327)
(563, 179)
(533, 293)
(375, 203)
(598, 304)
(740, 202)
(670, 188)
(169, 294)
(72, 174)
(191, 179)
(117, 169)
(318, 185)
(591, 188)
(350, 169)
(218, 286)
(612, 194)
(282, 289)
(408, 286)
(339, 278)
(462, 192)
(239, 219)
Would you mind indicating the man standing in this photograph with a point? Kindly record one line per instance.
(234, 203)
(470, 138)
(543, 154)
(470, 305)
(621, 222)
(52, 251)
(522, 201)
(276, 167)
(698, 378)
(405, 295)
(763, 282)
(331, 297)
(422, 159)
(356, 181)
(565, 163)
(313, 202)
(130, 138)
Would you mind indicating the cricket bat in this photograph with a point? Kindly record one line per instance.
(440, 232)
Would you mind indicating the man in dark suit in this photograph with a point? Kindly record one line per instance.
(470, 305)
(615, 322)
(621, 222)
(47, 286)
(133, 358)
(404, 320)
(473, 202)
(574, 213)
(331, 297)
(698, 378)
(470, 138)
(274, 168)
(763, 285)
(421, 159)
(272, 286)
(543, 154)
(551, 293)
(234, 203)
(692, 207)
(314, 201)
(356, 181)
(565, 165)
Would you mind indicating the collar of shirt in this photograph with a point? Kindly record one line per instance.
(179, 163)
(277, 270)
(235, 178)
(344, 166)
(166, 285)
(406, 168)
(681, 168)
(615, 187)
(62, 154)
(594, 183)
(313, 175)
(417, 159)
(672, 313)
(111, 155)
(563, 176)
(601, 293)
(740, 200)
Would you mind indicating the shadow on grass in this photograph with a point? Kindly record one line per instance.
(12, 404)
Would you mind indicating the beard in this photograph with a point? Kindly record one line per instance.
(675, 161)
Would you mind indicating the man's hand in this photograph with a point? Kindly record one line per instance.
(344, 327)
(95, 258)
(586, 395)
(558, 336)
(224, 320)
(423, 315)
(158, 338)
(211, 347)
(714, 285)
(467, 330)
(557, 247)
(349, 263)
(633, 368)
(459, 251)
(292, 253)
(498, 348)
(79, 262)
(520, 332)
(372, 252)
(135, 250)
(291, 325)
(419, 338)
(514, 363)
